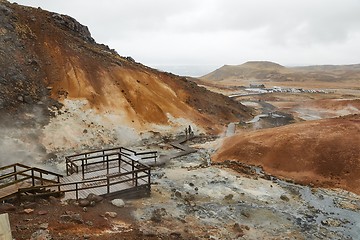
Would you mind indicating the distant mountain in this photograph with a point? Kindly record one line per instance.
(269, 71)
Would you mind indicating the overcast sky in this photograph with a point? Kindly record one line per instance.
(206, 34)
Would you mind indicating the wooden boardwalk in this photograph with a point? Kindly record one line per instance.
(179, 144)
(103, 172)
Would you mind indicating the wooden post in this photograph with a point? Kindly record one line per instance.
(136, 179)
(119, 159)
(132, 169)
(67, 167)
(32, 176)
(108, 185)
(82, 168)
(5, 229)
(77, 193)
(41, 179)
(15, 172)
(107, 164)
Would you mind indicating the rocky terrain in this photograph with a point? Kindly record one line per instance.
(193, 198)
(274, 165)
(60, 90)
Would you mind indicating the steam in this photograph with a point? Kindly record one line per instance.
(20, 146)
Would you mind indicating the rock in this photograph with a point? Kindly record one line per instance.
(42, 212)
(28, 99)
(177, 194)
(86, 236)
(229, 197)
(7, 207)
(284, 198)
(89, 223)
(245, 213)
(118, 203)
(53, 199)
(92, 203)
(20, 98)
(175, 235)
(158, 214)
(65, 218)
(83, 202)
(85, 209)
(28, 210)
(94, 197)
(41, 235)
(44, 226)
(130, 59)
(111, 214)
(75, 218)
(331, 222)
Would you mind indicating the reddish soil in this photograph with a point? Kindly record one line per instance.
(94, 226)
(323, 153)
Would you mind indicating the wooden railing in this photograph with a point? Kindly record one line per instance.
(82, 162)
(17, 173)
(129, 170)
(138, 177)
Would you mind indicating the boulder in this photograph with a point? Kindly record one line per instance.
(118, 203)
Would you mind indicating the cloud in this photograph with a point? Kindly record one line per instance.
(221, 31)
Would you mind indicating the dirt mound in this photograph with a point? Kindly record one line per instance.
(324, 153)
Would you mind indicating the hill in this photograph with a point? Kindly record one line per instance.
(273, 73)
(323, 153)
(57, 81)
(252, 69)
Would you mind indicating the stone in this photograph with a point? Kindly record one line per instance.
(118, 203)
(76, 218)
(284, 198)
(331, 222)
(245, 213)
(158, 214)
(28, 210)
(89, 223)
(65, 218)
(229, 197)
(41, 235)
(177, 194)
(94, 197)
(83, 202)
(42, 212)
(28, 99)
(44, 226)
(111, 214)
(20, 98)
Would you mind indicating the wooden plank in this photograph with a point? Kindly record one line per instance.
(5, 229)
